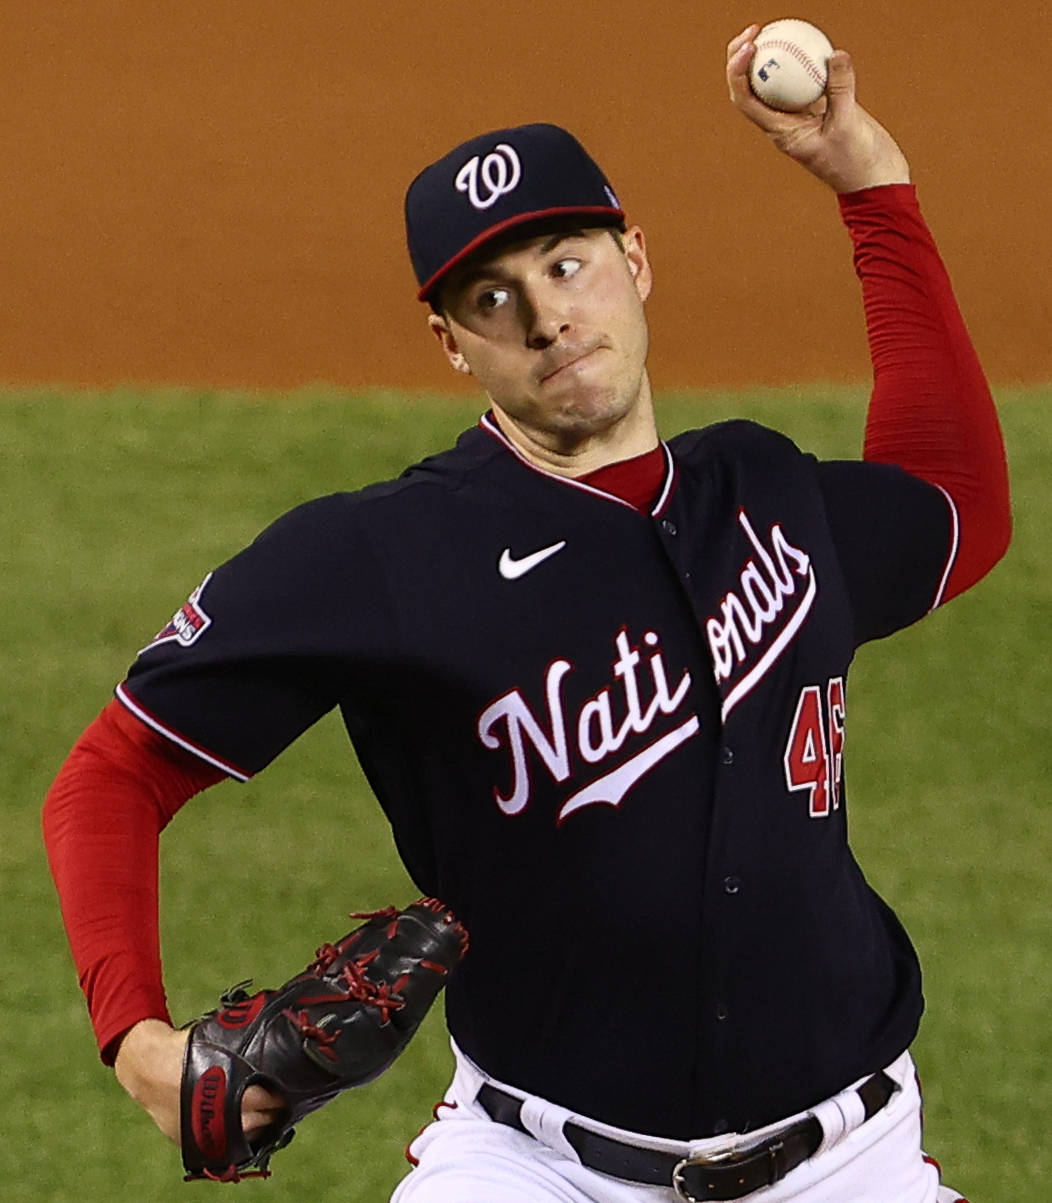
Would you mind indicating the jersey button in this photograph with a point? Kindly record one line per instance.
(721, 1012)
(668, 527)
(727, 756)
(732, 884)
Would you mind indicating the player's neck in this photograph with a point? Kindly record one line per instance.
(635, 433)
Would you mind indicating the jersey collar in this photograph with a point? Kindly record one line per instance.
(489, 425)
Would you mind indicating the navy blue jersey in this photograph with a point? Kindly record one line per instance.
(611, 741)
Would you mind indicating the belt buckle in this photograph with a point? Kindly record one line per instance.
(724, 1161)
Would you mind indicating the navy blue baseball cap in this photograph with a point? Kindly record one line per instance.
(495, 183)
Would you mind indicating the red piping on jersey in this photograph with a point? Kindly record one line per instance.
(151, 720)
(491, 427)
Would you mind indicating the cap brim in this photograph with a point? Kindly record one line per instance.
(599, 214)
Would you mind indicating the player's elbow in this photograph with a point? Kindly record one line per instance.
(981, 548)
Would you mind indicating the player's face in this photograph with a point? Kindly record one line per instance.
(553, 329)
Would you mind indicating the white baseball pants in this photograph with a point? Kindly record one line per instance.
(465, 1157)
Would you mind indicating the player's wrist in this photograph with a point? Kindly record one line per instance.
(883, 176)
(148, 1052)
(868, 158)
(149, 1066)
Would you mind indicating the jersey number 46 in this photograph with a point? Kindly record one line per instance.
(814, 753)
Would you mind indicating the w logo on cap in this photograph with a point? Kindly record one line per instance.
(486, 178)
(494, 182)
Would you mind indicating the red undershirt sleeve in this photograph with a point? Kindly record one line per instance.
(931, 411)
(117, 790)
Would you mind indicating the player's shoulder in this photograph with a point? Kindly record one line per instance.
(417, 490)
(474, 452)
(732, 439)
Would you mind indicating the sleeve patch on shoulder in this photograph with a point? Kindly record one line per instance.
(187, 624)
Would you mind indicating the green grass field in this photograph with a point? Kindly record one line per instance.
(114, 505)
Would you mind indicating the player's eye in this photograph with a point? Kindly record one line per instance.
(563, 269)
(490, 299)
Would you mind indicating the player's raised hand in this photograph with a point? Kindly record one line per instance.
(836, 139)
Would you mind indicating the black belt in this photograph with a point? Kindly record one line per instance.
(696, 1179)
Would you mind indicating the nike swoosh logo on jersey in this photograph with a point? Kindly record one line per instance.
(511, 568)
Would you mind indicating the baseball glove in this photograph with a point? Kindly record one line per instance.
(340, 1023)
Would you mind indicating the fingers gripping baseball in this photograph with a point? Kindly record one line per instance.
(835, 138)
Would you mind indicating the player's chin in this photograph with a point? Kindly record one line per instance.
(588, 409)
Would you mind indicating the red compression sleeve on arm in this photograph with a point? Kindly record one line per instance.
(115, 793)
(931, 411)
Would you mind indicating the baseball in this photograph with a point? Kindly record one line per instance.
(790, 67)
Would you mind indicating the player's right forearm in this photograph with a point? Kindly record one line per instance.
(102, 820)
(931, 411)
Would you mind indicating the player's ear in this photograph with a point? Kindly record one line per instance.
(448, 341)
(635, 245)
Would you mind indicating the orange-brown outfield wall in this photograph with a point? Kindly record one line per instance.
(210, 192)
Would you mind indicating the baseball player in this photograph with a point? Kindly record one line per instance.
(598, 683)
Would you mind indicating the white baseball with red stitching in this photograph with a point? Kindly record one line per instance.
(790, 67)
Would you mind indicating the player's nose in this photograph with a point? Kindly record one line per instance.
(545, 318)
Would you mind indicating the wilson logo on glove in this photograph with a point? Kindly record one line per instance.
(239, 1015)
(338, 1024)
(208, 1105)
